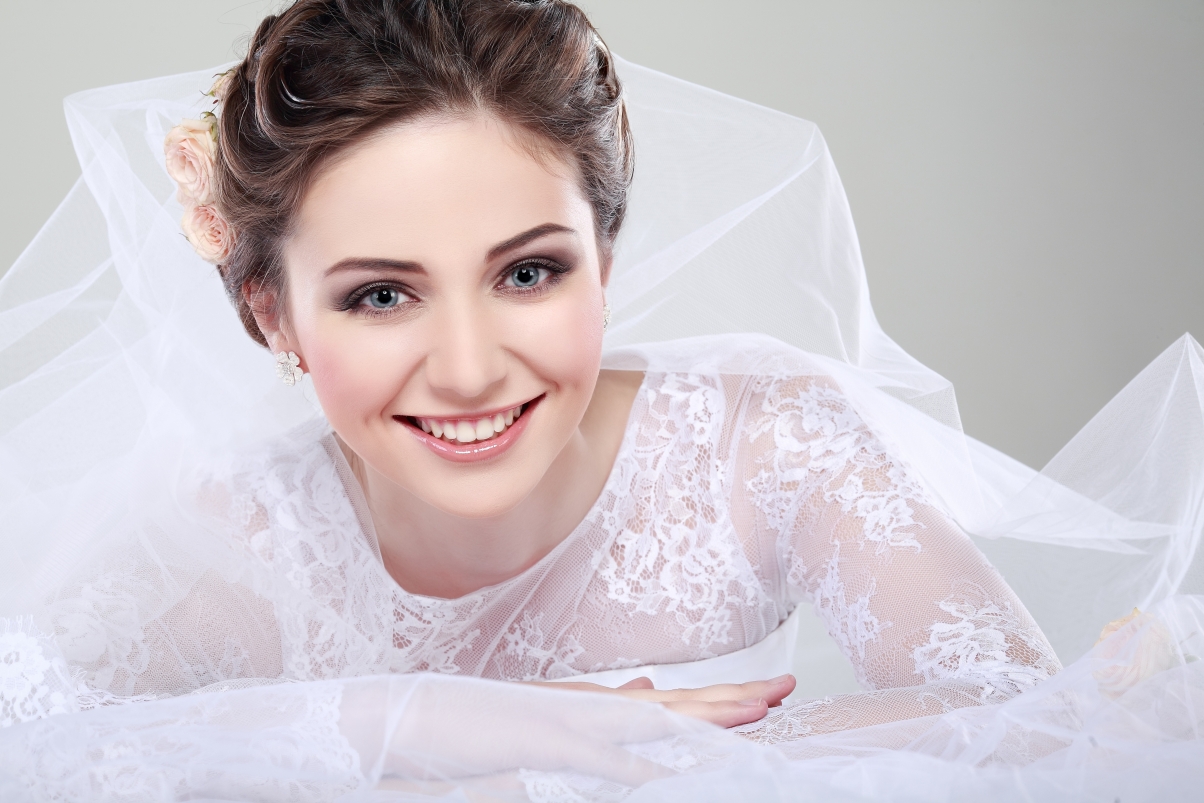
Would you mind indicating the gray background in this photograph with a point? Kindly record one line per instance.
(1027, 176)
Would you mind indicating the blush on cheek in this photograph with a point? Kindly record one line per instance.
(566, 341)
(350, 383)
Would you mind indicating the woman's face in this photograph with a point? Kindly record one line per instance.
(445, 295)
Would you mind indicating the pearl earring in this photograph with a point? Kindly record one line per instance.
(605, 316)
(288, 368)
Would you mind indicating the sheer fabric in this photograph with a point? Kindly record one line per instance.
(730, 502)
(194, 607)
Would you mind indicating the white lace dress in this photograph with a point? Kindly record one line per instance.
(732, 499)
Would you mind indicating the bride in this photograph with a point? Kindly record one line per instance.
(504, 557)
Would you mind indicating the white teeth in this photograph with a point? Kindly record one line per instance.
(463, 431)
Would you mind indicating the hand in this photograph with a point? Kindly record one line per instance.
(452, 728)
(725, 704)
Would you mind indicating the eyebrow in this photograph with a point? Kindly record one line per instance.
(519, 240)
(407, 266)
(374, 263)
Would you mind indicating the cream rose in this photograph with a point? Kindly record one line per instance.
(209, 233)
(191, 150)
(1134, 648)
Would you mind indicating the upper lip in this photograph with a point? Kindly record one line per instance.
(474, 415)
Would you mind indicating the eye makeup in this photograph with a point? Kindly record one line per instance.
(547, 273)
(353, 302)
(544, 274)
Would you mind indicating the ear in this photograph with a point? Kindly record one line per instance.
(267, 306)
(605, 260)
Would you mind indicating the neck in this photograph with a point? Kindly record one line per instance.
(434, 553)
(431, 552)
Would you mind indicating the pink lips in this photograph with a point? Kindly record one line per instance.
(478, 450)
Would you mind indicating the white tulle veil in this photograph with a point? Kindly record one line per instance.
(123, 367)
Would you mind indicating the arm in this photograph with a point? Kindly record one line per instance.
(927, 623)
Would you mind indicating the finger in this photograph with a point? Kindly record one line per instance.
(782, 687)
(725, 713)
(638, 683)
(772, 691)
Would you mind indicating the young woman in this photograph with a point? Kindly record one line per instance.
(417, 205)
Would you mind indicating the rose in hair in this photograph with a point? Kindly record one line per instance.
(208, 232)
(323, 75)
(191, 150)
(1132, 649)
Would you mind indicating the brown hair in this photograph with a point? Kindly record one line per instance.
(324, 74)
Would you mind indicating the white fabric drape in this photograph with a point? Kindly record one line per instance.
(125, 379)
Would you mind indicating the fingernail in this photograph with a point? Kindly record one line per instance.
(752, 702)
(780, 679)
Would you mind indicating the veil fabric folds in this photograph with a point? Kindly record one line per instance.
(123, 368)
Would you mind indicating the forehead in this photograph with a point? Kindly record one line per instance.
(445, 182)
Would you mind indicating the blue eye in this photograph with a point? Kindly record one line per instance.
(526, 275)
(382, 298)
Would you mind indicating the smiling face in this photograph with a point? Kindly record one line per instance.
(443, 278)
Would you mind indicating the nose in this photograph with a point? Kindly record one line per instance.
(466, 360)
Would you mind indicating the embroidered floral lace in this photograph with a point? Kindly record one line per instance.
(731, 501)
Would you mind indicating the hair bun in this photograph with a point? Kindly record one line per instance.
(323, 74)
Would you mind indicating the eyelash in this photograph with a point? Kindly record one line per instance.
(554, 269)
(352, 302)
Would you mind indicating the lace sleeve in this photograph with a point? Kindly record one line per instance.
(36, 682)
(925, 620)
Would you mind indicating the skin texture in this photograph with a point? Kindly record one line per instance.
(404, 299)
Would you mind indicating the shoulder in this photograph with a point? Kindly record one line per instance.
(742, 385)
(803, 419)
(292, 481)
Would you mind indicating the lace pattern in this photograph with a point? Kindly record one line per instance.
(684, 562)
(35, 681)
(665, 569)
(732, 500)
(988, 642)
(860, 540)
(296, 753)
(673, 574)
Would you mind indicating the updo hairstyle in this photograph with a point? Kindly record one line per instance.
(324, 74)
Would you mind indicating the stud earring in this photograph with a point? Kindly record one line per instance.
(605, 316)
(288, 368)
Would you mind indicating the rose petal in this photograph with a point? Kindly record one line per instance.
(1133, 648)
(1117, 624)
(208, 233)
(191, 157)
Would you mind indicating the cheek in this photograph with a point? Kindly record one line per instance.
(565, 341)
(356, 371)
